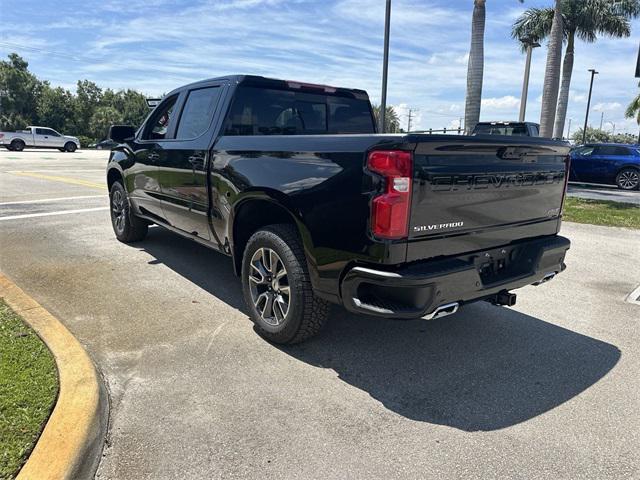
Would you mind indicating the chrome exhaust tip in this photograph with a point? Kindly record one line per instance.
(545, 279)
(443, 311)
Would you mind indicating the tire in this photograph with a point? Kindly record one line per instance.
(17, 145)
(265, 293)
(628, 179)
(70, 147)
(127, 227)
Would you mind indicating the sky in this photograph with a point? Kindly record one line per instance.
(157, 45)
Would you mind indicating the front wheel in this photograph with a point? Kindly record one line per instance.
(70, 147)
(127, 227)
(277, 289)
(628, 179)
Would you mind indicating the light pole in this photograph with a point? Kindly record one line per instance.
(530, 45)
(569, 129)
(385, 66)
(586, 115)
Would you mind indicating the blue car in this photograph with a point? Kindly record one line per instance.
(610, 163)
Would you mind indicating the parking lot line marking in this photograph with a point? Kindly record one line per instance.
(55, 178)
(44, 200)
(50, 214)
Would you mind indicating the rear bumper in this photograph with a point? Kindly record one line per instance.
(418, 289)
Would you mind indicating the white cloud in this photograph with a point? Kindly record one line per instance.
(606, 106)
(462, 59)
(501, 103)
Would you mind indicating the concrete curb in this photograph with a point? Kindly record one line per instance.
(71, 442)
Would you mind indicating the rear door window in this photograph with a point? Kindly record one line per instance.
(605, 150)
(622, 151)
(197, 113)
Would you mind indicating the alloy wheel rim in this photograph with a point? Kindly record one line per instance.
(117, 210)
(269, 286)
(629, 179)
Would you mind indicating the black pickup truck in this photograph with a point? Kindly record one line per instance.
(293, 183)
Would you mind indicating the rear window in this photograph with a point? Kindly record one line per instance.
(486, 129)
(260, 111)
(612, 150)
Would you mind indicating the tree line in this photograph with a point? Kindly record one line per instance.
(87, 114)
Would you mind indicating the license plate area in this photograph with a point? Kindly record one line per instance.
(501, 264)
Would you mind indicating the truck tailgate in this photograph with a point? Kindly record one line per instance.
(477, 186)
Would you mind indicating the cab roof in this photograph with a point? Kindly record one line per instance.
(259, 81)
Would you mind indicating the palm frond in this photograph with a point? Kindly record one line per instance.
(534, 24)
(633, 110)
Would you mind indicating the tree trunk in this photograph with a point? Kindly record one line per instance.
(563, 99)
(551, 75)
(475, 68)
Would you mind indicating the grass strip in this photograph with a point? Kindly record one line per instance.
(601, 212)
(28, 390)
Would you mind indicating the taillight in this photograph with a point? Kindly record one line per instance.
(567, 172)
(390, 210)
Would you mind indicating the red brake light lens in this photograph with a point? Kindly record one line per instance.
(390, 211)
(567, 172)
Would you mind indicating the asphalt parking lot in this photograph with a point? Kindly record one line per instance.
(547, 389)
(603, 192)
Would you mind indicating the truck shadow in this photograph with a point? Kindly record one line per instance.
(483, 369)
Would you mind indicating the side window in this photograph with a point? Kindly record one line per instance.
(51, 133)
(158, 124)
(198, 112)
(41, 131)
(622, 151)
(605, 151)
(585, 151)
(534, 130)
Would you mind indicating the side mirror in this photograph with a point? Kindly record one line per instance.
(121, 133)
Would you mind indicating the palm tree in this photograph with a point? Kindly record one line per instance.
(551, 73)
(633, 110)
(475, 67)
(391, 120)
(584, 19)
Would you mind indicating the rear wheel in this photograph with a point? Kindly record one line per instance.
(70, 147)
(628, 179)
(17, 145)
(127, 227)
(277, 289)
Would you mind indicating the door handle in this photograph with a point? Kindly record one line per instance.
(152, 157)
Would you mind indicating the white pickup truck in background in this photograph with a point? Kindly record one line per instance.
(38, 137)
